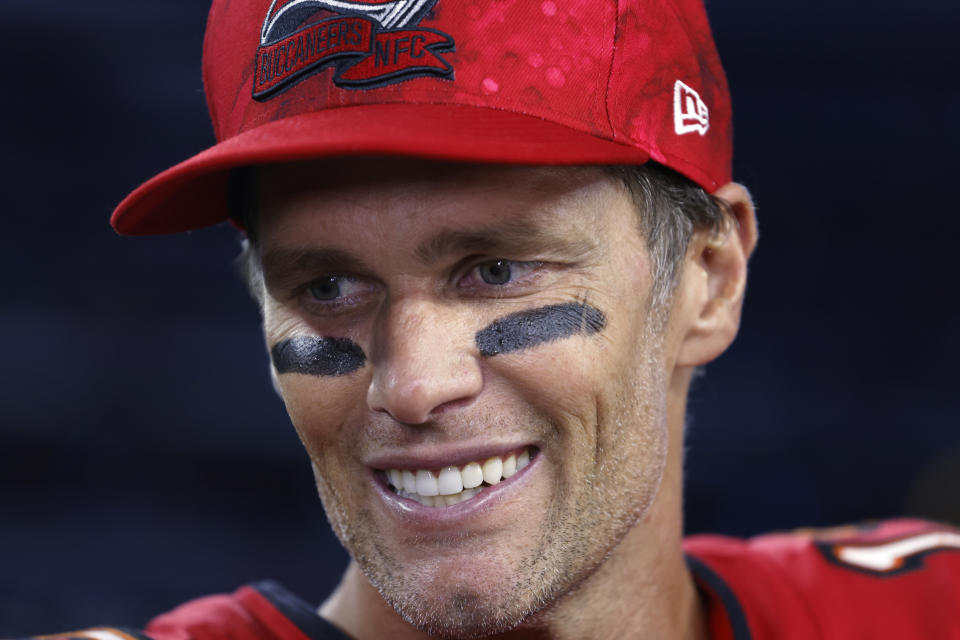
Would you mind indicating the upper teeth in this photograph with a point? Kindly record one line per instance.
(455, 484)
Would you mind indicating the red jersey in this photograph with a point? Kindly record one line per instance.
(899, 579)
(261, 611)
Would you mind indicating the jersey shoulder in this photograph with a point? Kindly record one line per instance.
(261, 611)
(94, 633)
(219, 616)
(899, 578)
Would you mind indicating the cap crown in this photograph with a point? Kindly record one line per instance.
(534, 81)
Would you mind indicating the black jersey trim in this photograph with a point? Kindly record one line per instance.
(299, 612)
(738, 619)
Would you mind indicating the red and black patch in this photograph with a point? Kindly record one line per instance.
(369, 43)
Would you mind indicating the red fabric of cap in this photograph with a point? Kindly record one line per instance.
(514, 81)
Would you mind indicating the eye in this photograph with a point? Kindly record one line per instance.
(335, 291)
(495, 272)
(326, 288)
(500, 273)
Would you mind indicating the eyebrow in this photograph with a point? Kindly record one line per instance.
(516, 237)
(282, 265)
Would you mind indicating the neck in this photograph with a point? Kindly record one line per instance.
(644, 584)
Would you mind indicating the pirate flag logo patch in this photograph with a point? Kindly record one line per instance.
(370, 43)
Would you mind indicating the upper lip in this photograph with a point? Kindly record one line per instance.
(438, 456)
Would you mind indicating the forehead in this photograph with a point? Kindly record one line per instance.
(321, 200)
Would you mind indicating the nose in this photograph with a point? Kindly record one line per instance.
(424, 361)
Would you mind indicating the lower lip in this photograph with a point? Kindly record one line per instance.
(418, 516)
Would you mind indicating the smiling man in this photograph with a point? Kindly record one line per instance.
(489, 388)
(492, 242)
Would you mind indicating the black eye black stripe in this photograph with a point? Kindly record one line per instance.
(323, 356)
(318, 356)
(527, 329)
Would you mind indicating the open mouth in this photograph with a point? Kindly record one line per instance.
(455, 484)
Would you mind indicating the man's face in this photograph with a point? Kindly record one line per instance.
(426, 316)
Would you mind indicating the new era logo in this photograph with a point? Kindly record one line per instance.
(690, 113)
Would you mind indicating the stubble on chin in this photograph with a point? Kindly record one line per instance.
(466, 607)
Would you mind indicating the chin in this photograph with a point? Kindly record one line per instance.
(463, 611)
(460, 594)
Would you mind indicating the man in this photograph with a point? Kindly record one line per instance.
(492, 242)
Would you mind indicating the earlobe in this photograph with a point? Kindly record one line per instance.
(714, 280)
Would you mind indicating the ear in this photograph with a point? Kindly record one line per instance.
(713, 282)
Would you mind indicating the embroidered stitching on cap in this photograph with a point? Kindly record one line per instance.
(368, 42)
(690, 113)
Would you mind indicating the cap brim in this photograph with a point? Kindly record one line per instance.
(193, 194)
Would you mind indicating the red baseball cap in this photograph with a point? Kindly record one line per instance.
(509, 81)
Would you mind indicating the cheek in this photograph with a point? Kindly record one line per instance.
(603, 390)
(546, 352)
(322, 379)
(320, 409)
(324, 413)
(559, 382)
(565, 354)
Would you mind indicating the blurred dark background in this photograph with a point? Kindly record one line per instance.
(144, 459)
